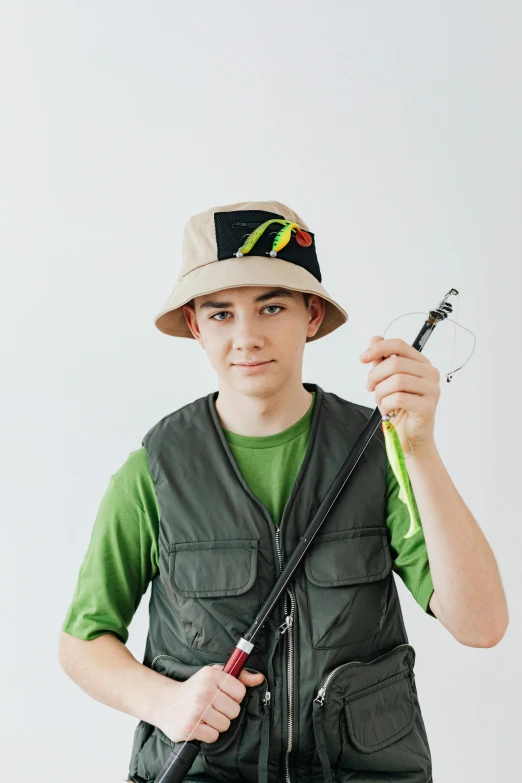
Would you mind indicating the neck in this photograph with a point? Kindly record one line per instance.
(257, 416)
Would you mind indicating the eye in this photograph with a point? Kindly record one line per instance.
(225, 312)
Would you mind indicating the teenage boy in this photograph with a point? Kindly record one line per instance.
(210, 508)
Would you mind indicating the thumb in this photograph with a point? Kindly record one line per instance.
(255, 677)
(376, 339)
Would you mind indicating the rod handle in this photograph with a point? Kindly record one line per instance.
(179, 762)
(184, 753)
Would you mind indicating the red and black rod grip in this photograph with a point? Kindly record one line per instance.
(184, 753)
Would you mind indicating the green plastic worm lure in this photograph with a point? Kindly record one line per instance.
(282, 238)
(398, 465)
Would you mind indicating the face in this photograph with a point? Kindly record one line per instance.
(247, 324)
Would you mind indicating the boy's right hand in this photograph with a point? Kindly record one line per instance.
(183, 717)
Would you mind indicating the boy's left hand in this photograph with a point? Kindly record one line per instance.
(408, 384)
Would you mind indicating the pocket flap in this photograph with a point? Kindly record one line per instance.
(348, 557)
(209, 569)
(174, 668)
(383, 712)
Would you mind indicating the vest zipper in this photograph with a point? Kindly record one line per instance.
(287, 626)
(249, 223)
(321, 694)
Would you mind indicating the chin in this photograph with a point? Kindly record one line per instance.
(254, 386)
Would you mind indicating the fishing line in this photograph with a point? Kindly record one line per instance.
(449, 375)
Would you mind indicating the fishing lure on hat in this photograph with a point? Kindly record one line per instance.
(281, 239)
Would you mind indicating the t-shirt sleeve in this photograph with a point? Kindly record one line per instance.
(410, 555)
(122, 556)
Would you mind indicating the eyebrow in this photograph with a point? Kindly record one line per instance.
(279, 292)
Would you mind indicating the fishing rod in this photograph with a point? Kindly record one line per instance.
(180, 761)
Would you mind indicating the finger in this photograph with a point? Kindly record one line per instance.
(388, 370)
(226, 705)
(202, 731)
(229, 684)
(376, 339)
(217, 720)
(252, 676)
(397, 384)
(404, 401)
(393, 347)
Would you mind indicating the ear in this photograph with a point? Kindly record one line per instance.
(317, 309)
(192, 323)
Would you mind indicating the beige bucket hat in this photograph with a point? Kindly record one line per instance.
(248, 243)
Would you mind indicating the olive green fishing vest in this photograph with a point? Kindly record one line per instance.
(339, 701)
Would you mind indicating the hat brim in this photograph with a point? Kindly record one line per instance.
(235, 272)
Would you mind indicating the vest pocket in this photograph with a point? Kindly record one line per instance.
(232, 756)
(215, 588)
(346, 585)
(367, 718)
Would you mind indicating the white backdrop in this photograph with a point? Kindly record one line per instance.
(393, 129)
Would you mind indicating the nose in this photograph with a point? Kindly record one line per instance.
(247, 336)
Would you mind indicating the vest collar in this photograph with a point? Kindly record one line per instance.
(319, 393)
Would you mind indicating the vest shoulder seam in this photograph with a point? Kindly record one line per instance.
(168, 415)
(367, 411)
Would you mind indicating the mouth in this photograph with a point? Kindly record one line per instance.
(252, 367)
(251, 364)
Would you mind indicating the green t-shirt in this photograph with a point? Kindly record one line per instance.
(122, 557)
